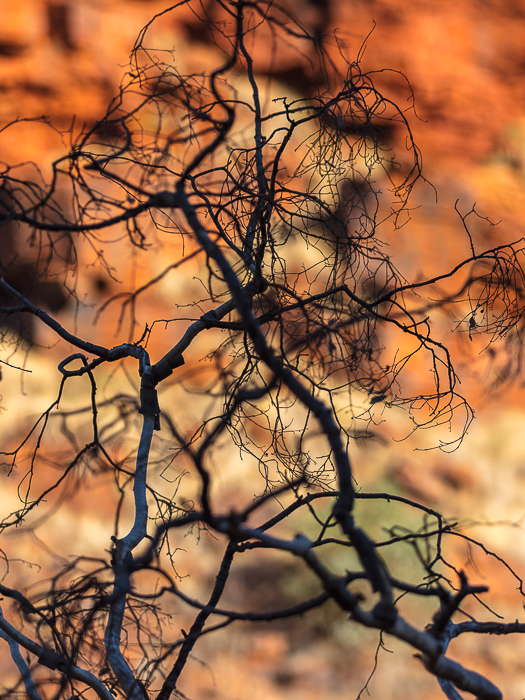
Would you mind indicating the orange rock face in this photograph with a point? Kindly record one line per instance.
(461, 66)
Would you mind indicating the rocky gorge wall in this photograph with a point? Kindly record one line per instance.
(466, 65)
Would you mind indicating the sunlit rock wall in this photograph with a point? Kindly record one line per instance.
(461, 65)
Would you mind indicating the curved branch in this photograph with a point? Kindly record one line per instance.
(60, 662)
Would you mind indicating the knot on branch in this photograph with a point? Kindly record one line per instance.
(121, 557)
(209, 316)
(302, 545)
(385, 613)
(149, 401)
(50, 659)
(256, 286)
(165, 367)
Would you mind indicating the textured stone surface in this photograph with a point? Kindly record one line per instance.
(466, 65)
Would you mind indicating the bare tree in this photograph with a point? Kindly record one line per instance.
(285, 196)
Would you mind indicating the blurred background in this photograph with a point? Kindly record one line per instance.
(465, 61)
